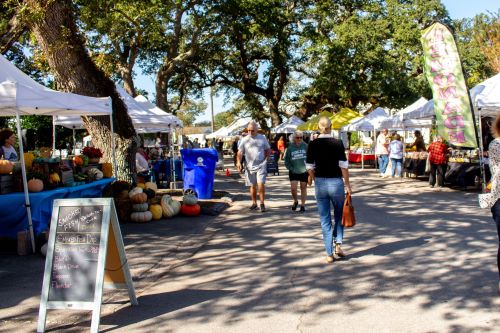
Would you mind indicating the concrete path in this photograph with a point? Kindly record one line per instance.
(418, 261)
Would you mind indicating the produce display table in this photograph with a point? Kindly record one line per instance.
(356, 158)
(162, 170)
(15, 218)
(462, 173)
(414, 166)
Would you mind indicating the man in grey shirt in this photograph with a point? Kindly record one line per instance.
(256, 150)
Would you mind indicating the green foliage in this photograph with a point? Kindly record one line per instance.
(189, 110)
(222, 119)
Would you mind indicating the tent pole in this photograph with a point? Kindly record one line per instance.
(53, 136)
(113, 140)
(481, 150)
(25, 182)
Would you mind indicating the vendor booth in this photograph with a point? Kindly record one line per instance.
(311, 124)
(288, 127)
(20, 95)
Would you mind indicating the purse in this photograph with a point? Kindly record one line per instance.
(348, 218)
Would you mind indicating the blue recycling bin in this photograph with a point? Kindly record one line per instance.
(199, 170)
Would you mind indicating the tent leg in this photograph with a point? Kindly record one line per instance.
(25, 182)
(113, 140)
(53, 136)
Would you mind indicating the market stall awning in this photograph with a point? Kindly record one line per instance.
(396, 121)
(344, 117)
(288, 126)
(486, 96)
(312, 123)
(146, 104)
(369, 123)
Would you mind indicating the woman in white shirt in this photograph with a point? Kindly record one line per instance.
(7, 141)
(396, 155)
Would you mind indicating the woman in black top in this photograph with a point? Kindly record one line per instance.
(327, 164)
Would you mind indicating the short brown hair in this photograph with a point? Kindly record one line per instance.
(495, 127)
(5, 134)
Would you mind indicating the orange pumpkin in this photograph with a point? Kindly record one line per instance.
(78, 160)
(190, 210)
(139, 198)
(107, 170)
(6, 166)
(35, 185)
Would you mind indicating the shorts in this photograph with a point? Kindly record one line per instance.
(301, 177)
(256, 176)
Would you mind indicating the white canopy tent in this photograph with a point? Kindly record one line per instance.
(21, 95)
(421, 117)
(486, 96)
(369, 123)
(288, 126)
(395, 122)
(146, 104)
(220, 133)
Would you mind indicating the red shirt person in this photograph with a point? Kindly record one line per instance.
(437, 157)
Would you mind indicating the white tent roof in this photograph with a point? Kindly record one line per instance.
(220, 133)
(289, 126)
(142, 118)
(146, 104)
(396, 121)
(486, 96)
(19, 91)
(369, 123)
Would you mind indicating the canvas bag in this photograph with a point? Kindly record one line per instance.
(348, 218)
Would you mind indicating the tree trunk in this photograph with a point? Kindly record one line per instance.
(272, 104)
(11, 32)
(75, 72)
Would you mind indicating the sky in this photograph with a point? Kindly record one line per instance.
(456, 8)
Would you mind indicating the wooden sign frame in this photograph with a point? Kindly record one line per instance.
(110, 248)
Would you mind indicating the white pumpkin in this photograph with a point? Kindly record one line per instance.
(141, 207)
(134, 191)
(169, 206)
(141, 216)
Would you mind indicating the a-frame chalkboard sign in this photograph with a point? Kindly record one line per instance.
(85, 254)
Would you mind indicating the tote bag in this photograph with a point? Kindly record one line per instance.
(348, 218)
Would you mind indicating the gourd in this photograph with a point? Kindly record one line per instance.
(77, 160)
(190, 210)
(28, 160)
(139, 198)
(54, 178)
(169, 207)
(156, 211)
(6, 166)
(189, 197)
(141, 216)
(150, 193)
(142, 207)
(151, 186)
(134, 191)
(107, 170)
(35, 185)
(141, 185)
(95, 173)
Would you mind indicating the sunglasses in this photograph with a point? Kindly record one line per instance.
(249, 130)
(298, 137)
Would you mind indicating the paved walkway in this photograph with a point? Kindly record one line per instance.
(418, 261)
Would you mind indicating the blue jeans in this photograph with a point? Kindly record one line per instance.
(495, 210)
(383, 160)
(330, 190)
(397, 164)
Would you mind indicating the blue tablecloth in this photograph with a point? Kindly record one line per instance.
(164, 167)
(14, 218)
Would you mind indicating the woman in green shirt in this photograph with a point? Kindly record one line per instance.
(295, 162)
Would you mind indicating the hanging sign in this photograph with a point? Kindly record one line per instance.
(85, 254)
(454, 115)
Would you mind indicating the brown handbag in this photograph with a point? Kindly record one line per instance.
(348, 218)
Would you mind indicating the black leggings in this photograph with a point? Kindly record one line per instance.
(495, 210)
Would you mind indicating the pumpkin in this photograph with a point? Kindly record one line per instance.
(169, 207)
(189, 197)
(6, 166)
(35, 185)
(134, 191)
(77, 160)
(142, 207)
(28, 160)
(150, 193)
(107, 170)
(190, 210)
(151, 186)
(156, 211)
(141, 216)
(141, 185)
(54, 178)
(139, 198)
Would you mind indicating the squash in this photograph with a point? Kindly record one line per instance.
(78, 160)
(190, 210)
(54, 178)
(139, 198)
(134, 191)
(141, 216)
(151, 186)
(156, 211)
(35, 185)
(169, 207)
(107, 170)
(6, 166)
(28, 160)
(95, 173)
(142, 207)
(141, 185)
(150, 193)
(189, 197)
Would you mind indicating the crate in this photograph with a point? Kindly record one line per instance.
(67, 177)
(6, 184)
